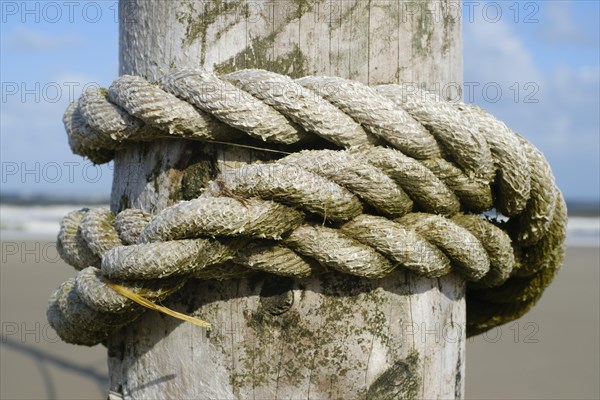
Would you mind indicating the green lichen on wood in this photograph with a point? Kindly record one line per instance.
(423, 28)
(191, 174)
(448, 20)
(195, 178)
(199, 170)
(347, 14)
(198, 22)
(399, 382)
(357, 294)
(301, 7)
(256, 55)
(274, 322)
(277, 329)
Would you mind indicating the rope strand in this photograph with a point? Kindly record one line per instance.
(404, 189)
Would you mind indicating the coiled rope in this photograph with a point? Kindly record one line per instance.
(388, 178)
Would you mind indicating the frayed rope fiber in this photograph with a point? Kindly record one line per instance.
(369, 179)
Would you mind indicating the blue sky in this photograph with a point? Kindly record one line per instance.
(535, 65)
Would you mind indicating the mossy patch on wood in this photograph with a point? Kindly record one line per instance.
(256, 55)
(401, 381)
(423, 27)
(196, 177)
(197, 22)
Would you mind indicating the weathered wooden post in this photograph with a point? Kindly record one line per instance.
(330, 336)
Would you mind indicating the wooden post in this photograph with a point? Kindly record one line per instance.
(332, 336)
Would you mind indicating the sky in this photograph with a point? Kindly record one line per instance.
(533, 64)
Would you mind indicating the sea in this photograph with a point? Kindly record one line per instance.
(39, 218)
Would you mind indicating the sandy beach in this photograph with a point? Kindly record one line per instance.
(551, 353)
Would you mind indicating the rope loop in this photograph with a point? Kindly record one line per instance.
(369, 179)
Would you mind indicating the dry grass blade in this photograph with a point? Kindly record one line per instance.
(123, 291)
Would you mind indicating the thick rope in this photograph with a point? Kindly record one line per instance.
(393, 180)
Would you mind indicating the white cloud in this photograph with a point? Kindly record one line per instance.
(559, 24)
(24, 40)
(33, 115)
(563, 122)
(494, 53)
(574, 100)
(33, 137)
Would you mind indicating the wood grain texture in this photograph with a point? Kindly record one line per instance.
(322, 337)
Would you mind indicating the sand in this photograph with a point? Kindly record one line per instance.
(551, 353)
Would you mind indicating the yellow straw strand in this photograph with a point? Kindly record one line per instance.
(123, 291)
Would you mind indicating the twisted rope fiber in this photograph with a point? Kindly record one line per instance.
(401, 183)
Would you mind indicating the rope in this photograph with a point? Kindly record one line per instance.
(369, 179)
